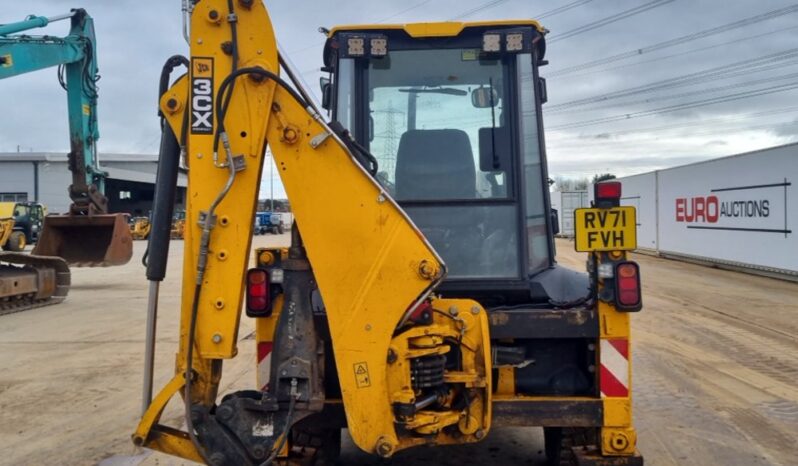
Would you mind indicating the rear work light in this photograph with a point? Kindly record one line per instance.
(607, 193)
(258, 293)
(627, 286)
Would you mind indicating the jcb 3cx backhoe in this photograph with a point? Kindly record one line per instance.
(419, 302)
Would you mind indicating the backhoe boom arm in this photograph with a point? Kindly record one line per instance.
(368, 260)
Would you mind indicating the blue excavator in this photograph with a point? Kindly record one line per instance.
(87, 236)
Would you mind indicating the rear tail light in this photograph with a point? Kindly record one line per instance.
(627, 286)
(607, 193)
(258, 293)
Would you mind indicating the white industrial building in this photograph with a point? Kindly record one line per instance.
(44, 177)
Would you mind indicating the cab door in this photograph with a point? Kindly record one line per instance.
(36, 219)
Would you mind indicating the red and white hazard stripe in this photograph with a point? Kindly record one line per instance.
(614, 374)
(264, 363)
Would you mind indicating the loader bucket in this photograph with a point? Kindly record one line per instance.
(86, 241)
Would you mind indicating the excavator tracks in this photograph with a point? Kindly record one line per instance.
(28, 282)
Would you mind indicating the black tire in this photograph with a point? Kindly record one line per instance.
(326, 444)
(280, 229)
(552, 440)
(16, 242)
(559, 442)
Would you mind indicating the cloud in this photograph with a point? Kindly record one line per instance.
(134, 40)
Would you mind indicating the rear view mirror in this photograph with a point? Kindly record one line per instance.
(326, 92)
(484, 97)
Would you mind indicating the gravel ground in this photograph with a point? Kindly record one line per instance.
(715, 356)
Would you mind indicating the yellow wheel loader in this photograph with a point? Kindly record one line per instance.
(140, 228)
(178, 226)
(420, 302)
(11, 240)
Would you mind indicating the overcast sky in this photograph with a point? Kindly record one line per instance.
(621, 128)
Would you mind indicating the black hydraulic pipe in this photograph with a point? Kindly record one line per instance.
(158, 247)
(163, 205)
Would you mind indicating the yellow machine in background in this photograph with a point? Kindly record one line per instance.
(178, 226)
(140, 228)
(6, 231)
(419, 302)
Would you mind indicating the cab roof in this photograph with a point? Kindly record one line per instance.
(439, 29)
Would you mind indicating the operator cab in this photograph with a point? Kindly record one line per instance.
(454, 124)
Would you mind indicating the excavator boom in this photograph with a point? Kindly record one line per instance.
(88, 235)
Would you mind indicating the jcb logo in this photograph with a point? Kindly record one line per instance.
(202, 96)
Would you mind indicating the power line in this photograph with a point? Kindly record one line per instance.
(690, 124)
(688, 94)
(610, 19)
(545, 14)
(718, 72)
(400, 13)
(735, 41)
(678, 40)
(477, 9)
(561, 9)
(647, 142)
(684, 106)
(394, 15)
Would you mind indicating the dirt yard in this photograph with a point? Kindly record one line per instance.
(715, 356)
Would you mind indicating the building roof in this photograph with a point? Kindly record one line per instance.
(114, 172)
(762, 151)
(62, 157)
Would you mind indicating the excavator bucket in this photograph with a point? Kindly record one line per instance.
(86, 241)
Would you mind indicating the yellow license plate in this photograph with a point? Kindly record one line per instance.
(613, 229)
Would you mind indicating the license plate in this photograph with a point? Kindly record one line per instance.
(613, 229)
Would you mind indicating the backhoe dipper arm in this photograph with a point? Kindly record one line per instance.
(77, 52)
(370, 263)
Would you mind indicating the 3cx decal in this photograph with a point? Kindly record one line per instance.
(202, 96)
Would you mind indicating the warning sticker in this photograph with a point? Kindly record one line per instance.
(362, 378)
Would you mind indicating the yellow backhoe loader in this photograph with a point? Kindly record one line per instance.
(420, 302)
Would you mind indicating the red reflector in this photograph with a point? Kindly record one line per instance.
(608, 190)
(627, 286)
(257, 289)
(257, 276)
(257, 303)
(258, 293)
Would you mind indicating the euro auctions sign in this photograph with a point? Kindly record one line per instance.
(758, 208)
